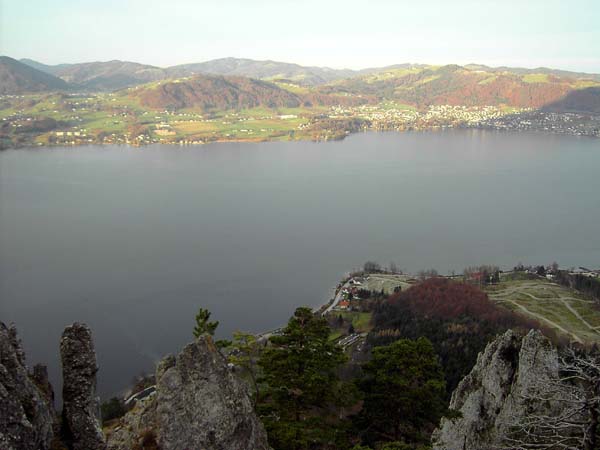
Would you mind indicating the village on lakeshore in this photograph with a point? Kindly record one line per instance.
(545, 293)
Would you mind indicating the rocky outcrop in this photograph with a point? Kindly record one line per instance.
(199, 404)
(81, 426)
(40, 378)
(26, 418)
(492, 399)
(135, 428)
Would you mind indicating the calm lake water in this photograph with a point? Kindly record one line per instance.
(134, 240)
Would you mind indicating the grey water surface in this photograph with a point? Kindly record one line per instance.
(133, 241)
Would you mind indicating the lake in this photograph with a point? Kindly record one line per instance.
(133, 241)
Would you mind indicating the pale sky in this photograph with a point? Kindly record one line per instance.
(348, 33)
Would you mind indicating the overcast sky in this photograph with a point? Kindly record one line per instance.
(348, 33)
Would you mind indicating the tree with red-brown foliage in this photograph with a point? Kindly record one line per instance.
(446, 299)
(458, 318)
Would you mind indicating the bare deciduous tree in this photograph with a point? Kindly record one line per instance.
(425, 274)
(372, 267)
(570, 405)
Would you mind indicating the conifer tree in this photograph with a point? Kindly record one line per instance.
(203, 326)
(299, 370)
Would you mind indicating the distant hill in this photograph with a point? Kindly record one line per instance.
(579, 101)
(455, 85)
(51, 69)
(106, 75)
(111, 75)
(208, 92)
(538, 70)
(272, 70)
(18, 78)
(219, 92)
(418, 85)
(114, 75)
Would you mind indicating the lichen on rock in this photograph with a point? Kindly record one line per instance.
(491, 399)
(81, 425)
(26, 417)
(199, 404)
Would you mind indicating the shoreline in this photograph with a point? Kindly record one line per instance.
(276, 139)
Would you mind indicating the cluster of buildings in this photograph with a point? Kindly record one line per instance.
(72, 137)
(469, 115)
(390, 117)
(560, 123)
(397, 117)
(349, 292)
(375, 114)
(584, 271)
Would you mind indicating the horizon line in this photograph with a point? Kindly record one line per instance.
(312, 65)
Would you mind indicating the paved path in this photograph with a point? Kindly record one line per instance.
(338, 297)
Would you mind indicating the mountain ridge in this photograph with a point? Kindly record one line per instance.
(16, 78)
(117, 74)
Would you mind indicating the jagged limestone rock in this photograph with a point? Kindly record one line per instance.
(16, 343)
(40, 378)
(80, 403)
(199, 404)
(26, 418)
(132, 428)
(492, 398)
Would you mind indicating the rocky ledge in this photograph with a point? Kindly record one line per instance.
(493, 398)
(26, 416)
(199, 403)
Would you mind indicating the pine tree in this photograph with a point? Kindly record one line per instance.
(299, 369)
(203, 326)
(245, 354)
(403, 387)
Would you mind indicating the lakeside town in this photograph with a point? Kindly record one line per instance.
(561, 299)
(79, 119)
(477, 117)
(375, 280)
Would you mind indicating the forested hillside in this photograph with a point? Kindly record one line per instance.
(18, 78)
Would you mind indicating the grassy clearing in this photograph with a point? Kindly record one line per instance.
(7, 112)
(426, 80)
(391, 74)
(101, 121)
(335, 335)
(377, 282)
(555, 306)
(255, 123)
(583, 84)
(293, 88)
(230, 127)
(361, 321)
(488, 80)
(535, 78)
